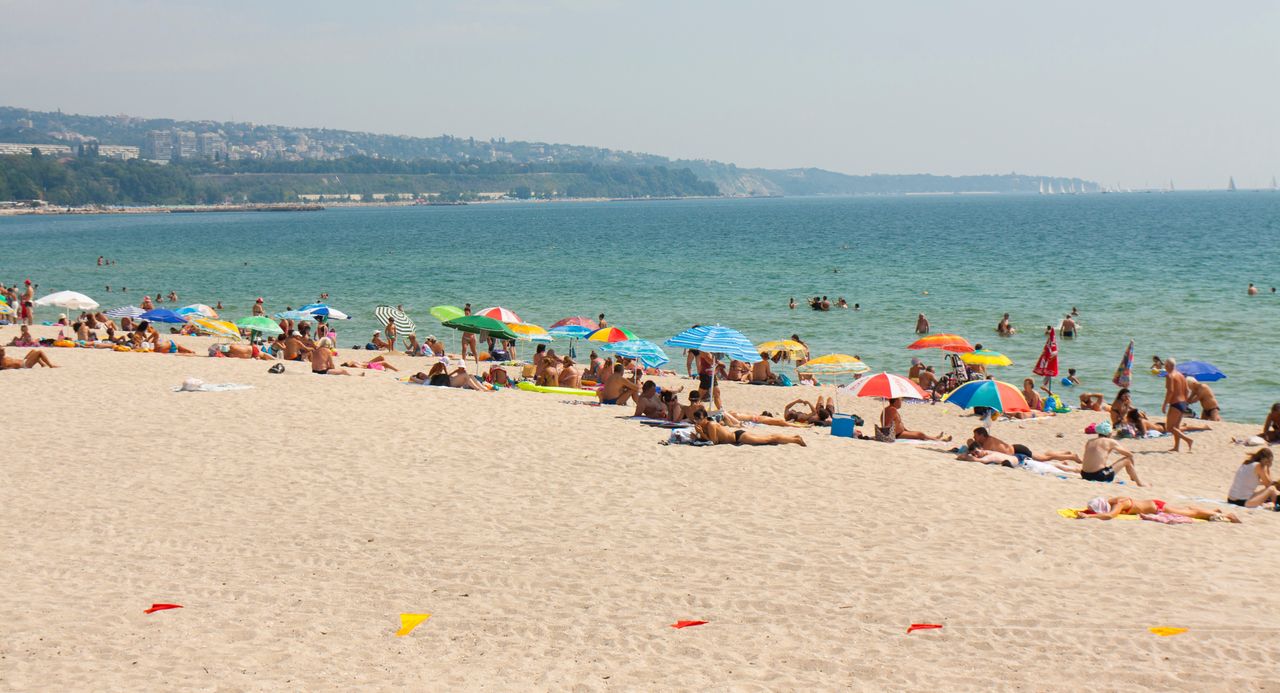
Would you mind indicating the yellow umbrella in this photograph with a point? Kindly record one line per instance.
(789, 348)
(218, 328)
(833, 364)
(529, 332)
(986, 357)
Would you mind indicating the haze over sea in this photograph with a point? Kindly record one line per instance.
(1168, 270)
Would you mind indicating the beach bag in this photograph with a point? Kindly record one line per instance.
(885, 434)
(278, 368)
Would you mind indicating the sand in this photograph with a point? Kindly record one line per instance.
(554, 544)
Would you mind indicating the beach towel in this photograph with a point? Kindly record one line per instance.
(197, 385)
(1167, 518)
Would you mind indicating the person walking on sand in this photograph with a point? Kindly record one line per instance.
(1176, 394)
(922, 324)
(1098, 450)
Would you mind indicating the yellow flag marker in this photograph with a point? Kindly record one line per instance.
(1166, 631)
(410, 621)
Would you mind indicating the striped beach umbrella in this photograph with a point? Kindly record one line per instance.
(531, 333)
(387, 314)
(986, 357)
(500, 314)
(217, 328)
(834, 364)
(1124, 374)
(886, 385)
(571, 331)
(610, 334)
(324, 310)
(991, 394)
(789, 348)
(124, 312)
(716, 339)
(650, 354)
(946, 342)
(197, 309)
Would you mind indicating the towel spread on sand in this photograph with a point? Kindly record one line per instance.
(196, 385)
(1162, 518)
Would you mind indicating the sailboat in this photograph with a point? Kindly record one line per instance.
(1042, 192)
(1274, 187)
(1231, 184)
(1170, 188)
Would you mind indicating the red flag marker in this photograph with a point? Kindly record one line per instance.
(923, 626)
(161, 607)
(686, 624)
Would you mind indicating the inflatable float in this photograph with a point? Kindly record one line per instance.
(530, 387)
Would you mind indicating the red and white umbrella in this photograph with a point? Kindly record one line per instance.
(501, 314)
(886, 385)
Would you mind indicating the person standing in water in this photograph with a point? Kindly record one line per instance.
(922, 324)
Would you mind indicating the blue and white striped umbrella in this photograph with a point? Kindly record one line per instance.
(715, 339)
(325, 310)
(124, 312)
(650, 354)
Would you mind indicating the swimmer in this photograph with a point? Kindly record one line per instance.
(1253, 290)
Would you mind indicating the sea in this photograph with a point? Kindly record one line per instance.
(1168, 270)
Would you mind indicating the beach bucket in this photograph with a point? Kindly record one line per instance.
(842, 425)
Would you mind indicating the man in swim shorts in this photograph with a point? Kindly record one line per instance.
(617, 389)
(1203, 395)
(1176, 394)
(984, 440)
(1096, 452)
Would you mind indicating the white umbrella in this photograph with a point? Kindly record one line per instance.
(69, 300)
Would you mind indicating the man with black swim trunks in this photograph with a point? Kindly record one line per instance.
(1096, 452)
(1176, 394)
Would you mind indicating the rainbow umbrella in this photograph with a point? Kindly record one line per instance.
(1124, 374)
(946, 342)
(446, 313)
(886, 385)
(986, 357)
(532, 333)
(576, 321)
(834, 364)
(610, 334)
(500, 314)
(789, 348)
(991, 394)
(217, 328)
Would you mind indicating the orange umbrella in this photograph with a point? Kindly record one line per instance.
(946, 342)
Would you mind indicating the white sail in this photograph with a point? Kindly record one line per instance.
(1274, 187)
(1042, 186)
(1170, 188)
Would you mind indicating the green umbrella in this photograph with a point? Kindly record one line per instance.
(479, 324)
(446, 313)
(258, 323)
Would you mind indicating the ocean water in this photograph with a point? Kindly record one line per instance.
(1168, 270)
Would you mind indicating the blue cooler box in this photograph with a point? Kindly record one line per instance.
(842, 425)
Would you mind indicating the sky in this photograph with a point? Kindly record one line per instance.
(1134, 93)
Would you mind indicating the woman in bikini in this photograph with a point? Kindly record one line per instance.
(1111, 508)
(720, 435)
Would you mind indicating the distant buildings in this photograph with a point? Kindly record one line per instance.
(106, 151)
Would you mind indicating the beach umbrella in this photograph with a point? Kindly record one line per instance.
(834, 364)
(576, 321)
(198, 309)
(479, 324)
(124, 312)
(991, 394)
(946, 342)
(612, 334)
(986, 357)
(5, 309)
(1203, 371)
(531, 333)
(789, 348)
(715, 339)
(1124, 373)
(446, 313)
(886, 385)
(650, 354)
(313, 309)
(217, 328)
(69, 300)
(1047, 364)
(162, 315)
(387, 314)
(500, 314)
(260, 324)
(570, 331)
(294, 315)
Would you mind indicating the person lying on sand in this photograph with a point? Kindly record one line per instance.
(734, 418)
(1096, 453)
(984, 440)
(1110, 508)
(440, 376)
(721, 435)
(238, 351)
(377, 363)
(1255, 472)
(976, 453)
(34, 358)
(891, 419)
(617, 388)
(817, 412)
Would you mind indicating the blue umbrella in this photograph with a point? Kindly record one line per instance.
(294, 315)
(325, 310)
(162, 315)
(570, 331)
(650, 354)
(1203, 371)
(715, 339)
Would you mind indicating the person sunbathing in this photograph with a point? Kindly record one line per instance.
(762, 372)
(1093, 401)
(984, 440)
(734, 418)
(570, 374)
(239, 351)
(34, 358)
(1252, 485)
(720, 435)
(1271, 427)
(411, 345)
(1096, 453)
(376, 343)
(1110, 508)
(618, 389)
(436, 346)
(817, 412)
(24, 338)
(463, 380)
(891, 421)
(976, 453)
(498, 375)
(648, 403)
(738, 372)
(377, 363)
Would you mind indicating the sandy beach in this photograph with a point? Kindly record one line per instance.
(554, 545)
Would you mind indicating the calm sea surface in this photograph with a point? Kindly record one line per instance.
(1168, 270)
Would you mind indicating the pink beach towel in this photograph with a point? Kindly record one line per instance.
(1167, 518)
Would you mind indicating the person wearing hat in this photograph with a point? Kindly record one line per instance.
(1110, 508)
(258, 309)
(1098, 450)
